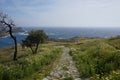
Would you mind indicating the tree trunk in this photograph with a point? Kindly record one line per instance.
(15, 53)
(36, 47)
(32, 50)
(15, 43)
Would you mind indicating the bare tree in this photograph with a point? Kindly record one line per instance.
(6, 25)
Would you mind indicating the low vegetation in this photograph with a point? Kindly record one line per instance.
(28, 64)
(97, 59)
(114, 41)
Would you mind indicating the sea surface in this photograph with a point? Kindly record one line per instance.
(63, 33)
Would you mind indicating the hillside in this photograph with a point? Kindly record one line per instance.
(79, 58)
(97, 59)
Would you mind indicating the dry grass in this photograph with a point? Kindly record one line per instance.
(6, 54)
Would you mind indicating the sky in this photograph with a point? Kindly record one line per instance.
(63, 13)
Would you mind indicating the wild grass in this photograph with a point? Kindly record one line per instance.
(114, 41)
(6, 54)
(28, 64)
(96, 57)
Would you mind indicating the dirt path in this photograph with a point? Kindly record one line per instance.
(64, 68)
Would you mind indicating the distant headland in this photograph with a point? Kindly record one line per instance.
(15, 30)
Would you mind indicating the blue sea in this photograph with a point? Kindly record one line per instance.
(63, 33)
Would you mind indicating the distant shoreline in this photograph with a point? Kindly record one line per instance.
(15, 30)
(58, 34)
(73, 39)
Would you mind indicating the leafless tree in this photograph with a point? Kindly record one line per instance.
(6, 25)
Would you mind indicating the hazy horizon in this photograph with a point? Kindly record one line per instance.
(86, 27)
(65, 13)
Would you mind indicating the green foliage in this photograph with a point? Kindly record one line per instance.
(37, 36)
(95, 57)
(114, 75)
(34, 39)
(28, 65)
(114, 41)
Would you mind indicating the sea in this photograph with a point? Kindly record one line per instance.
(62, 33)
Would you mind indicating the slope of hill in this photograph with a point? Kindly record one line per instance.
(95, 59)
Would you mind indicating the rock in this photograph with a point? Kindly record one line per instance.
(57, 75)
(45, 79)
(77, 79)
(48, 77)
(68, 72)
(52, 73)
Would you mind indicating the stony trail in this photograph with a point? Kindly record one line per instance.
(64, 68)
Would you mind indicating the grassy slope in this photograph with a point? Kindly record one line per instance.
(27, 63)
(94, 58)
(6, 54)
(99, 57)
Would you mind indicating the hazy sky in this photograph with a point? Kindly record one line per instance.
(76, 13)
